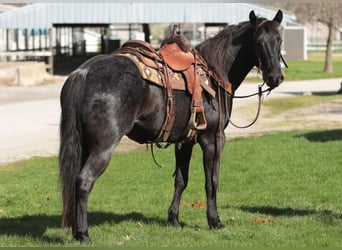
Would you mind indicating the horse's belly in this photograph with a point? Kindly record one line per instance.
(150, 125)
(142, 135)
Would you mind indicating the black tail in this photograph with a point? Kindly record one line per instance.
(70, 152)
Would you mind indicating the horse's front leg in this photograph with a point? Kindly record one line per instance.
(183, 155)
(212, 147)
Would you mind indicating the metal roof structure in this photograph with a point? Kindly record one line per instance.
(46, 15)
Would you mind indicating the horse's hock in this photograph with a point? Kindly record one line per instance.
(23, 73)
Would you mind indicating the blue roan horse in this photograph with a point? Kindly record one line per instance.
(106, 98)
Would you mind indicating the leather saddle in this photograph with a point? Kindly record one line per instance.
(176, 58)
(176, 51)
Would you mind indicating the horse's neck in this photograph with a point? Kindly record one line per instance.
(242, 65)
(237, 61)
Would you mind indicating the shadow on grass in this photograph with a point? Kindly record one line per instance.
(318, 93)
(34, 226)
(290, 212)
(326, 93)
(323, 136)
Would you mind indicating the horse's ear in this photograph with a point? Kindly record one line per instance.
(279, 17)
(252, 17)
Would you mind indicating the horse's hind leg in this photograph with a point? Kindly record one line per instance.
(183, 156)
(95, 165)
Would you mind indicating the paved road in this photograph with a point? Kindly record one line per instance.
(29, 121)
(297, 87)
(30, 115)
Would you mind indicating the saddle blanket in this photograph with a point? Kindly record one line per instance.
(176, 78)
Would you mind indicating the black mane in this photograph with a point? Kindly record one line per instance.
(222, 50)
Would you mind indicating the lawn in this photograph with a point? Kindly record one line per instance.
(280, 189)
(312, 68)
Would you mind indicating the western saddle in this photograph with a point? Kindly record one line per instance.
(174, 66)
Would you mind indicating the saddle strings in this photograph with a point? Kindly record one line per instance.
(153, 156)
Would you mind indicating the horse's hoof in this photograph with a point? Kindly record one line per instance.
(174, 223)
(219, 225)
(83, 238)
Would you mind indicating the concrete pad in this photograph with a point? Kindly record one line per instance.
(29, 129)
(23, 73)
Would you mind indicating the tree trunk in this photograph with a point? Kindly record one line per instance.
(328, 67)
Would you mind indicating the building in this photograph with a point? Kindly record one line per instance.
(54, 32)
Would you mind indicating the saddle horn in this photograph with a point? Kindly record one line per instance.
(182, 42)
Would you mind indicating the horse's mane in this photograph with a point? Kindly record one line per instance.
(220, 50)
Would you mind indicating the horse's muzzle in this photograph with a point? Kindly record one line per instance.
(274, 80)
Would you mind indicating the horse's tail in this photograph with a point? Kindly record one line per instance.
(71, 144)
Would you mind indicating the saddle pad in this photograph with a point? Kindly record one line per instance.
(176, 78)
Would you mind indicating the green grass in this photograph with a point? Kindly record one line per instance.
(312, 68)
(292, 179)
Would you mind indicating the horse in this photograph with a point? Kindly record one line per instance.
(106, 98)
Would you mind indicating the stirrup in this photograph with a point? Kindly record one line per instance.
(197, 119)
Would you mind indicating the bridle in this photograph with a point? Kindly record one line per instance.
(260, 92)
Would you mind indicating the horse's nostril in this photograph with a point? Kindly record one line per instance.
(275, 80)
(271, 80)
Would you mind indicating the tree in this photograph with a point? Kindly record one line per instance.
(330, 15)
(327, 13)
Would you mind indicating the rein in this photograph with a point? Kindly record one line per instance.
(260, 92)
(260, 95)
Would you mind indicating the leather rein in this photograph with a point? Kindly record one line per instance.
(260, 99)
